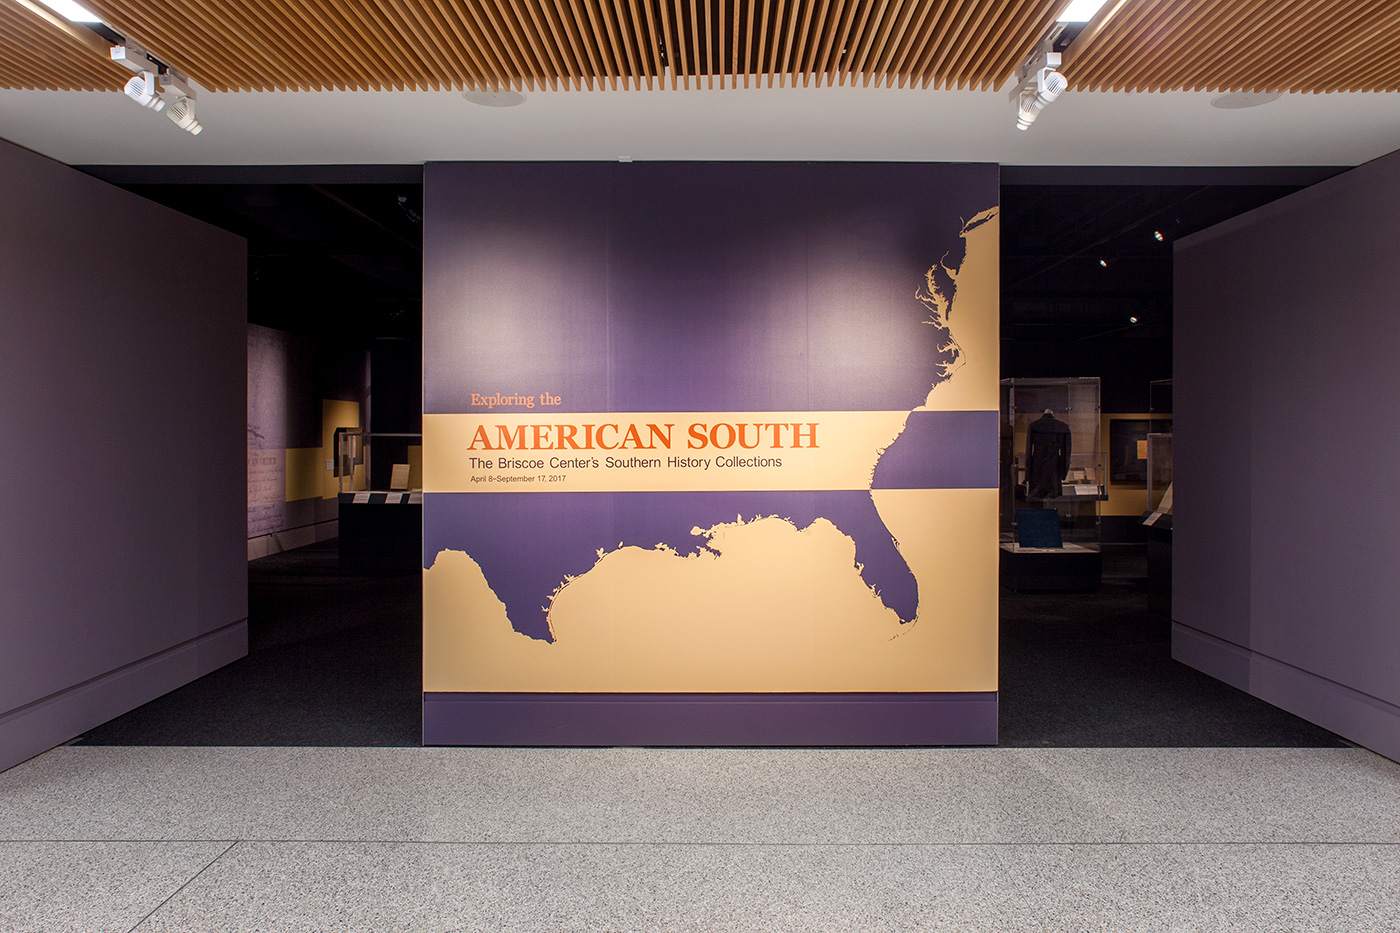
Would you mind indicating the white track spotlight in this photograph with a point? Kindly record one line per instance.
(176, 92)
(142, 89)
(157, 86)
(1037, 92)
(1028, 107)
(1049, 85)
(1038, 85)
(181, 113)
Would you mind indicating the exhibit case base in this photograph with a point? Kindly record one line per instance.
(381, 531)
(710, 719)
(1072, 567)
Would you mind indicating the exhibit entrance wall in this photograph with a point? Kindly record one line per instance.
(710, 454)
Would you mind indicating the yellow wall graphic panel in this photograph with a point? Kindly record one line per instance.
(304, 468)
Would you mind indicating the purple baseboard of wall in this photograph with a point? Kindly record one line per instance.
(709, 719)
(1358, 717)
(42, 724)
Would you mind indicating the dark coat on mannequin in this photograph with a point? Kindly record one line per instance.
(1047, 456)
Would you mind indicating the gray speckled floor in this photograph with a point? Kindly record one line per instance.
(446, 840)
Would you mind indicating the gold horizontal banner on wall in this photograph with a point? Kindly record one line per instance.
(655, 451)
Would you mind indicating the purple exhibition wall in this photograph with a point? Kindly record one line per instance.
(122, 368)
(1286, 496)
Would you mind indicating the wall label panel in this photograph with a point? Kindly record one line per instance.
(695, 431)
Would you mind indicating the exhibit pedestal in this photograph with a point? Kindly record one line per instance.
(380, 531)
(1072, 567)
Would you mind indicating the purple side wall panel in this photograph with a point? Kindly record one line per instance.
(122, 371)
(1286, 501)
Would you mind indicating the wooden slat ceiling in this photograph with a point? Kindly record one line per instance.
(1243, 45)
(530, 45)
(39, 52)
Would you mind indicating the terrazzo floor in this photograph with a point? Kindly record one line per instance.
(214, 839)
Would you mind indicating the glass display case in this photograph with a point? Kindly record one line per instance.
(349, 454)
(1159, 499)
(381, 500)
(1159, 448)
(1159, 473)
(1052, 482)
(366, 462)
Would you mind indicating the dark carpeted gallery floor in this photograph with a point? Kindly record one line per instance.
(334, 660)
(1095, 670)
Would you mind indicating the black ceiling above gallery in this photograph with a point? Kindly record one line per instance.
(1086, 264)
(340, 260)
(1086, 252)
(1081, 259)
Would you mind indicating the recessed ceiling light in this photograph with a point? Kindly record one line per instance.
(71, 11)
(1080, 11)
(1132, 320)
(1157, 235)
(1241, 100)
(495, 98)
(1103, 263)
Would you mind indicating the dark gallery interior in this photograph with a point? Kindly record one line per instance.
(517, 466)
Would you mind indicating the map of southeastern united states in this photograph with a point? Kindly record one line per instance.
(529, 544)
(715, 288)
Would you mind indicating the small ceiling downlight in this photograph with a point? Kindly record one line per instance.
(1242, 100)
(503, 98)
